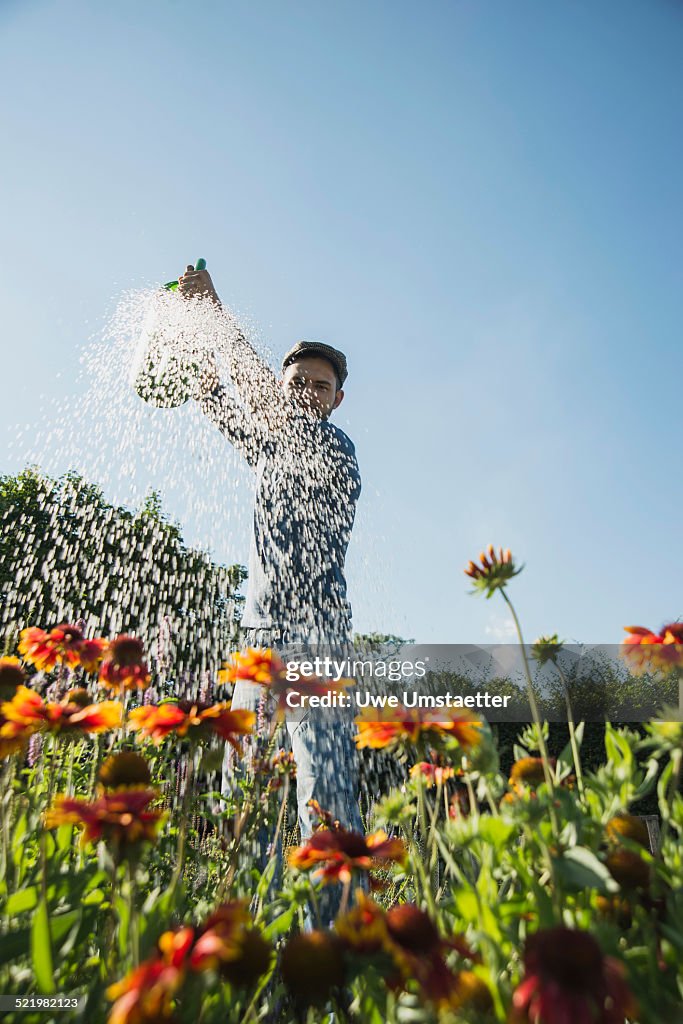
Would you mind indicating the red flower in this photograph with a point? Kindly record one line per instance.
(228, 942)
(45, 650)
(568, 979)
(147, 993)
(124, 665)
(646, 650)
(494, 571)
(157, 721)
(91, 653)
(27, 713)
(119, 816)
(413, 950)
(335, 853)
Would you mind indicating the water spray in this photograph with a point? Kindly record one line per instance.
(167, 357)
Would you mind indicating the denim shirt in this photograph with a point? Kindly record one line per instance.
(307, 488)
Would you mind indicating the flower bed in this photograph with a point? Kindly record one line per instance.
(475, 895)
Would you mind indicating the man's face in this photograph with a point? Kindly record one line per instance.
(311, 382)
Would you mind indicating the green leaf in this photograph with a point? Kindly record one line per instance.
(494, 831)
(63, 837)
(21, 901)
(618, 751)
(579, 868)
(14, 944)
(544, 906)
(281, 924)
(566, 758)
(662, 791)
(94, 897)
(123, 913)
(41, 949)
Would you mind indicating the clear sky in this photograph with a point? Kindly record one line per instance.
(480, 202)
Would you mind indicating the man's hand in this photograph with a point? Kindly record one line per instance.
(196, 283)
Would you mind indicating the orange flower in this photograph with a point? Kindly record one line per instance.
(363, 928)
(494, 571)
(266, 669)
(255, 665)
(124, 665)
(27, 713)
(147, 992)
(461, 725)
(527, 771)
(11, 678)
(648, 651)
(628, 826)
(157, 721)
(118, 816)
(335, 853)
(389, 727)
(45, 650)
(227, 942)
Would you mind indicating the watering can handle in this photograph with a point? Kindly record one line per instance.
(172, 285)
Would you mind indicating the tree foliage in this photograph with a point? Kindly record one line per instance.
(66, 554)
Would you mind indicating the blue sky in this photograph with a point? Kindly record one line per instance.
(479, 202)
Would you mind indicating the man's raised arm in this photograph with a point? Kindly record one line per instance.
(254, 380)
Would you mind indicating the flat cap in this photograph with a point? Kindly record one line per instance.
(319, 348)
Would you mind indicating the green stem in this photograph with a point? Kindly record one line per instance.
(471, 795)
(572, 730)
(273, 845)
(535, 714)
(134, 929)
(671, 790)
(70, 768)
(182, 832)
(419, 863)
(489, 798)
(431, 844)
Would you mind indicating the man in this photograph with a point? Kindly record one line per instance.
(307, 487)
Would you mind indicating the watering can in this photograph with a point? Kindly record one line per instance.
(167, 361)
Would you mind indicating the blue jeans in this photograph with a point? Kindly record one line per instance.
(322, 744)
